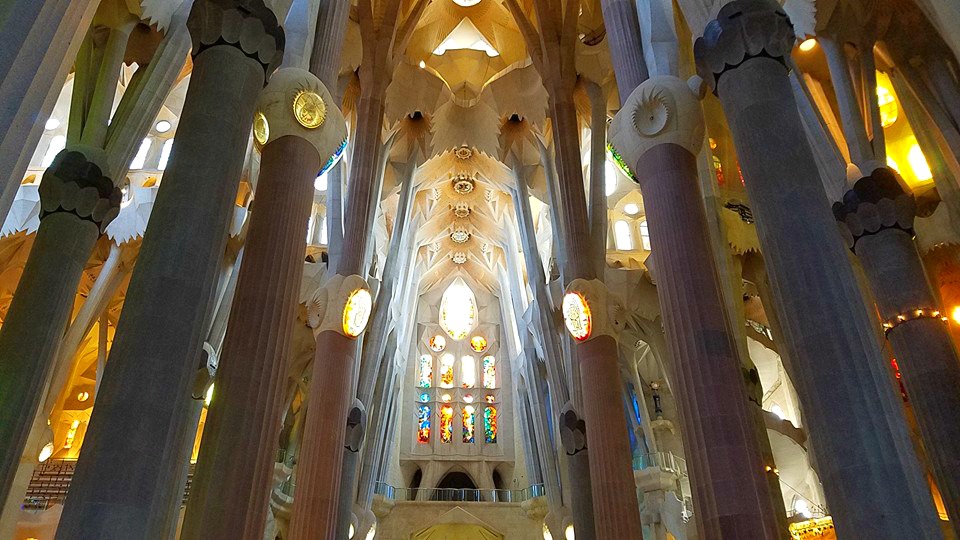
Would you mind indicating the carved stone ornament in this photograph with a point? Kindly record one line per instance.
(743, 29)
(876, 203)
(459, 257)
(573, 431)
(606, 312)
(248, 25)
(330, 303)
(74, 183)
(662, 110)
(278, 107)
(463, 184)
(463, 152)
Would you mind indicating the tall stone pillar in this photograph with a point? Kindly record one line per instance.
(626, 48)
(126, 481)
(658, 132)
(853, 418)
(231, 487)
(77, 202)
(879, 215)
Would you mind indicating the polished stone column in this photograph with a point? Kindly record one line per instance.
(658, 132)
(878, 214)
(626, 48)
(76, 203)
(863, 446)
(231, 486)
(126, 481)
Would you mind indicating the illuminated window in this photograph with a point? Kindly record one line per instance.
(446, 423)
(165, 154)
(478, 343)
(141, 157)
(893, 164)
(490, 424)
(469, 418)
(645, 235)
(57, 144)
(425, 369)
(468, 398)
(423, 424)
(466, 36)
(621, 236)
(489, 372)
(889, 111)
(437, 343)
(609, 177)
(918, 162)
(490, 398)
(458, 310)
(320, 184)
(424, 397)
(446, 371)
(468, 371)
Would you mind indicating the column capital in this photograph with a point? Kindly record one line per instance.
(662, 110)
(875, 203)
(743, 29)
(248, 25)
(75, 184)
(295, 103)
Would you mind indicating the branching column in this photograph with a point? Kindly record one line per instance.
(862, 442)
(77, 202)
(126, 481)
(879, 215)
(229, 498)
(658, 132)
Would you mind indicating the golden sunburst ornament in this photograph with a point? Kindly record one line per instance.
(309, 109)
(261, 129)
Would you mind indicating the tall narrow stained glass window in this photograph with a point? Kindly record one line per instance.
(446, 423)
(425, 371)
(458, 310)
(489, 372)
(490, 424)
(468, 371)
(469, 424)
(446, 371)
(423, 424)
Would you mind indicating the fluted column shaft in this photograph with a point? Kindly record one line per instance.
(626, 46)
(731, 493)
(126, 480)
(231, 487)
(77, 202)
(926, 355)
(859, 431)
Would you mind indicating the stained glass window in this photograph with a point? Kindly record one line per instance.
(468, 398)
(446, 423)
(446, 371)
(469, 418)
(458, 310)
(490, 424)
(468, 371)
(425, 379)
(424, 397)
(423, 424)
(490, 398)
(478, 343)
(437, 343)
(645, 235)
(489, 372)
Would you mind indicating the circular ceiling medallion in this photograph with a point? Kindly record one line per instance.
(460, 236)
(461, 210)
(464, 152)
(309, 109)
(459, 257)
(463, 184)
(261, 129)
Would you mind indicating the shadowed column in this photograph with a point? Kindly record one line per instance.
(126, 481)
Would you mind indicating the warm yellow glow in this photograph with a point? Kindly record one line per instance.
(893, 164)
(918, 162)
(83, 396)
(45, 452)
(458, 310)
(568, 532)
(576, 315)
(309, 109)
(71, 434)
(208, 396)
(423, 64)
(808, 44)
(813, 529)
(889, 110)
(478, 343)
(955, 314)
(546, 533)
(438, 343)
(373, 532)
(356, 312)
(261, 128)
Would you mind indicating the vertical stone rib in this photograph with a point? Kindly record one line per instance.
(626, 47)
(232, 483)
(731, 493)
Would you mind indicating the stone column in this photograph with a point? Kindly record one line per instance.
(658, 132)
(77, 202)
(853, 418)
(231, 487)
(878, 214)
(125, 484)
(626, 48)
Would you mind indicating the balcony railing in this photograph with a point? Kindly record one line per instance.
(666, 461)
(459, 494)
